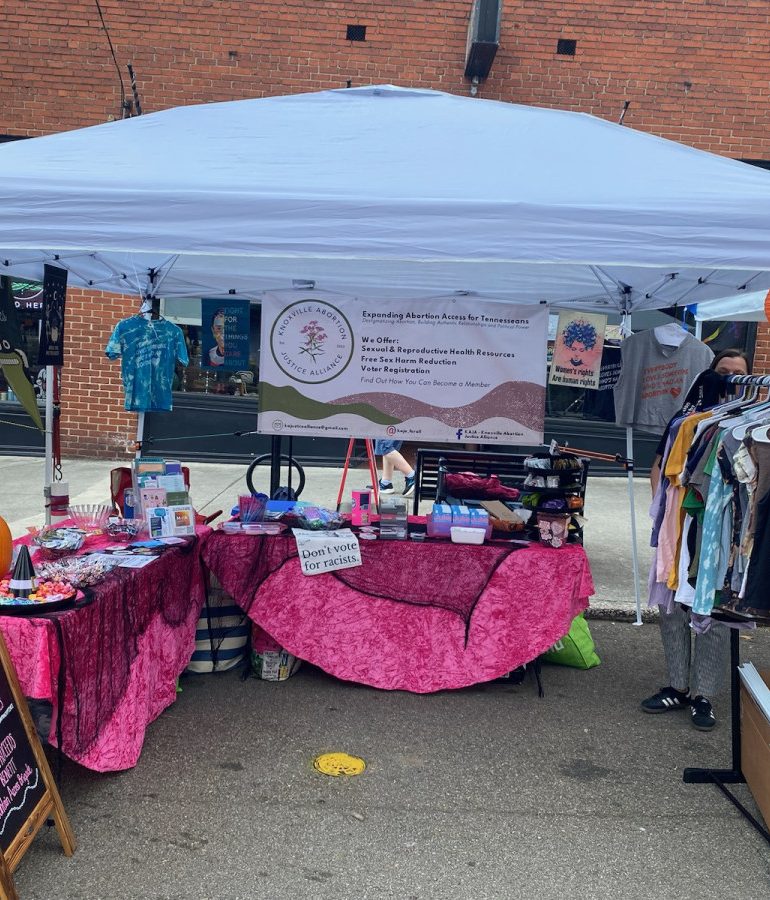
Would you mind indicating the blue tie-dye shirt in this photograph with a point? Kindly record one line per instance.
(149, 349)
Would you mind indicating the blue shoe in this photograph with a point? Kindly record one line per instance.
(385, 487)
(409, 485)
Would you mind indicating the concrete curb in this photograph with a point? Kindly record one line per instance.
(621, 614)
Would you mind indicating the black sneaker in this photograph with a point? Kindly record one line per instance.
(409, 485)
(702, 714)
(385, 487)
(666, 699)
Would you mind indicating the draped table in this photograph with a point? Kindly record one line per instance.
(416, 616)
(109, 666)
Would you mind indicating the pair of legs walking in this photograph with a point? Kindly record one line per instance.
(392, 460)
(696, 667)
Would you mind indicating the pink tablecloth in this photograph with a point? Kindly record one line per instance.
(110, 667)
(527, 604)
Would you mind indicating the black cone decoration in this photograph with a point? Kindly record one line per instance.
(23, 581)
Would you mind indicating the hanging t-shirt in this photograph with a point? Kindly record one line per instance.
(149, 350)
(654, 378)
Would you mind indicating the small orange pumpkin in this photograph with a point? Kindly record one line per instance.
(6, 547)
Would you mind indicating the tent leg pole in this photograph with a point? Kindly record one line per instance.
(139, 434)
(632, 506)
(275, 463)
(50, 375)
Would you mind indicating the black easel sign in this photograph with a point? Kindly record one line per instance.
(28, 793)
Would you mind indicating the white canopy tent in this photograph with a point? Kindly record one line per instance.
(748, 307)
(385, 192)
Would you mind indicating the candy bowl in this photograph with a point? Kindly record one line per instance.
(90, 516)
(53, 543)
(48, 596)
(125, 529)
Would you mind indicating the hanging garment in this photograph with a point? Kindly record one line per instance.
(654, 378)
(674, 469)
(756, 596)
(717, 523)
(709, 510)
(149, 350)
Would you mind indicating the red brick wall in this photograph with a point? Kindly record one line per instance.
(694, 70)
(93, 421)
(762, 351)
(697, 71)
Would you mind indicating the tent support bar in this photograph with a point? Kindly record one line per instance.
(139, 434)
(275, 463)
(632, 506)
(50, 375)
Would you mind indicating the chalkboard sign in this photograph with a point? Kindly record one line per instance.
(21, 783)
(28, 793)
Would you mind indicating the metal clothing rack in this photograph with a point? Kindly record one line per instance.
(734, 775)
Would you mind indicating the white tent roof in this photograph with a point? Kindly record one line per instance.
(748, 307)
(385, 192)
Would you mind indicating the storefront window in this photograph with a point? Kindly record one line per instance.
(28, 299)
(200, 378)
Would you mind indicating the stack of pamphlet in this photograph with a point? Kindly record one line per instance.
(161, 497)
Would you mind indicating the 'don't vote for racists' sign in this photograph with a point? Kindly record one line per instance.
(327, 551)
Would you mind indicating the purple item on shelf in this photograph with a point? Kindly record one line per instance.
(251, 507)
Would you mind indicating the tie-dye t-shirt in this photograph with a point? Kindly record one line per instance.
(149, 349)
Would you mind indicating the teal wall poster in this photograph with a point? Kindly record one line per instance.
(51, 351)
(453, 369)
(224, 334)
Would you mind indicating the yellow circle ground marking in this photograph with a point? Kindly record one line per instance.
(337, 764)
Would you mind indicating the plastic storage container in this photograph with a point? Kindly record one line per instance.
(462, 535)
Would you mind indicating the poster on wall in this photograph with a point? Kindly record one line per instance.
(577, 353)
(51, 349)
(224, 334)
(452, 369)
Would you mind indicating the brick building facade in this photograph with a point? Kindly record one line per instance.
(696, 71)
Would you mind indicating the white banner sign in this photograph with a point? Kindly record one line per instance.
(327, 551)
(440, 369)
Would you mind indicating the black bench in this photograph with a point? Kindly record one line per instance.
(428, 484)
(433, 466)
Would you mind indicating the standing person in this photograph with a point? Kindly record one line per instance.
(392, 459)
(727, 362)
(695, 673)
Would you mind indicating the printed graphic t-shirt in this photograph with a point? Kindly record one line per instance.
(654, 379)
(148, 349)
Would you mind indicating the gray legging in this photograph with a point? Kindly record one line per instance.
(709, 659)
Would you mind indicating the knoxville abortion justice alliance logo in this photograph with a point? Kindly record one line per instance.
(311, 341)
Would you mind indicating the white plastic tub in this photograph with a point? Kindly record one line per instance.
(462, 535)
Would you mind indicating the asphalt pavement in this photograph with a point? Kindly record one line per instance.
(490, 792)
